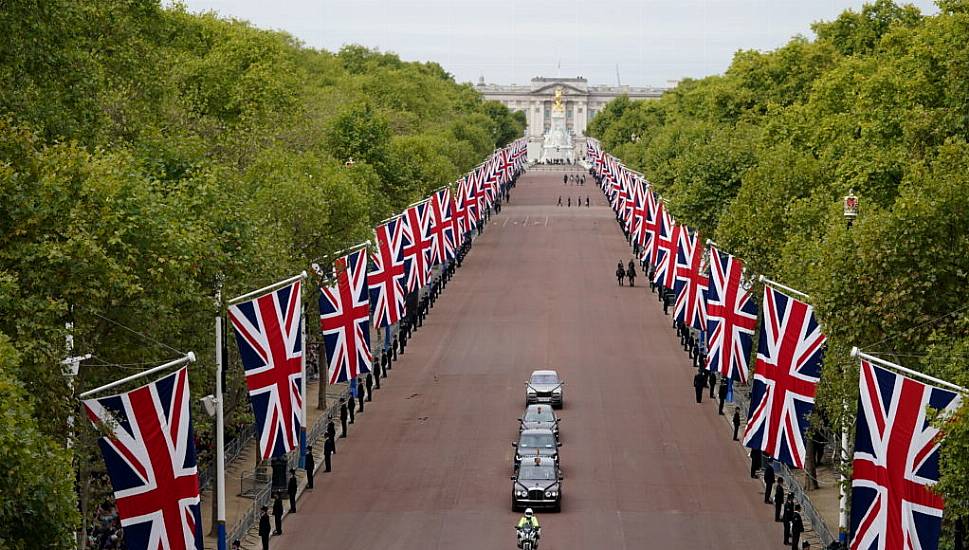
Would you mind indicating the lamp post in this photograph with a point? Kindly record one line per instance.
(850, 212)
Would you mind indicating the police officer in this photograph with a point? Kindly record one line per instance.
(712, 377)
(768, 480)
(264, 528)
(278, 513)
(722, 395)
(788, 517)
(361, 391)
(291, 489)
(755, 461)
(310, 465)
(736, 422)
(620, 272)
(329, 448)
(797, 527)
(343, 417)
(351, 400)
(698, 384)
(778, 499)
(331, 429)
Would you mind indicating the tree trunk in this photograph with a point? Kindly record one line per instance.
(321, 386)
(810, 468)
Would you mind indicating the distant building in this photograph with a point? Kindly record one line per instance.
(582, 102)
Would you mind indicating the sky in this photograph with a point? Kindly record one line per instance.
(647, 42)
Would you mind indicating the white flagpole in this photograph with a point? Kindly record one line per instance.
(303, 412)
(855, 352)
(219, 434)
(268, 288)
(188, 358)
(779, 285)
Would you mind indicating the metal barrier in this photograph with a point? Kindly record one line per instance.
(741, 397)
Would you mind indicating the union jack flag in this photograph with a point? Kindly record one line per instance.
(442, 227)
(386, 279)
(149, 452)
(469, 203)
(731, 317)
(690, 283)
(459, 221)
(345, 319)
(896, 462)
(270, 342)
(785, 379)
(418, 242)
(666, 246)
(652, 228)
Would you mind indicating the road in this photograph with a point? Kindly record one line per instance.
(428, 464)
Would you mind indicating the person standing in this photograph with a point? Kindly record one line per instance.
(768, 479)
(698, 384)
(343, 417)
(278, 514)
(565, 180)
(778, 499)
(569, 202)
(329, 447)
(264, 528)
(797, 527)
(560, 200)
(788, 517)
(712, 377)
(755, 462)
(736, 422)
(360, 393)
(722, 396)
(310, 466)
(351, 400)
(587, 201)
(331, 430)
(292, 490)
(369, 386)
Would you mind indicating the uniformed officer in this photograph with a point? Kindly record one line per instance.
(788, 517)
(722, 394)
(778, 499)
(711, 379)
(310, 466)
(343, 417)
(329, 448)
(736, 422)
(264, 527)
(361, 391)
(331, 429)
(278, 514)
(768, 479)
(698, 385)
(291, 489)
(797, 527)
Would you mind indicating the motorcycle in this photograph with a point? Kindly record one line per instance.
(528, 538)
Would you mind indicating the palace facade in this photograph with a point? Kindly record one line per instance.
(582, 102)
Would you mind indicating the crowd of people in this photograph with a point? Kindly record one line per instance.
(104, 531)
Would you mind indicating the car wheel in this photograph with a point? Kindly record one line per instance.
(514, 505)
(558, 507)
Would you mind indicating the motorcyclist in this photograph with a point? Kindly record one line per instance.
(529, 519)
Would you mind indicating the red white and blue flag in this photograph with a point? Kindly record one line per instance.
(896, 462)
(785, 378)
(345, 319)
(731, 317)
(149, 451)
(652, 228)
(442, 227)
(666, 250)
(387, 279)
(418, 243)
(268, 332)
(469, 203)
(690, 284)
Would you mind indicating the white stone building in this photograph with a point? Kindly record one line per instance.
(582, 102)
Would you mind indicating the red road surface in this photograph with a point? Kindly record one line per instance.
(428, 465)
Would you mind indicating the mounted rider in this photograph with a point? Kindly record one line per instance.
(528, 521)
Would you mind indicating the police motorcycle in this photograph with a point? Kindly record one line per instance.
(527, 537)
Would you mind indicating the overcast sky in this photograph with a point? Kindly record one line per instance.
(511, 41)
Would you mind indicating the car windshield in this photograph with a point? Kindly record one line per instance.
(536, 441)
(536, 473)
(542, 414)
(545, 379)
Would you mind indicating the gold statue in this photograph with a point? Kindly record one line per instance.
(558, 106)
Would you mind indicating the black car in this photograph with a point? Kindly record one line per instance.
(532, 443)
(538, 484)
(540, 417)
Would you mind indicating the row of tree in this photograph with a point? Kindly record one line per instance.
(759, 158)
(148, 155)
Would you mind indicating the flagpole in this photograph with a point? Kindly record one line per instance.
(302, 388)
(187, 358)
(779, 285)
(268, 288)
(219, 432)
(855, 352)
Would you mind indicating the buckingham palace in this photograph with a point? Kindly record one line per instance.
(581, 102)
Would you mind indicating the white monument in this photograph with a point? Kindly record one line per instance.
(558, 139)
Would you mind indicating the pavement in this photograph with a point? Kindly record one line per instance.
(427, 465)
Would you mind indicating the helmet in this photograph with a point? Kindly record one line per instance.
(528, 512)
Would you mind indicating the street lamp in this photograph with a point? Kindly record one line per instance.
(850, 204)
